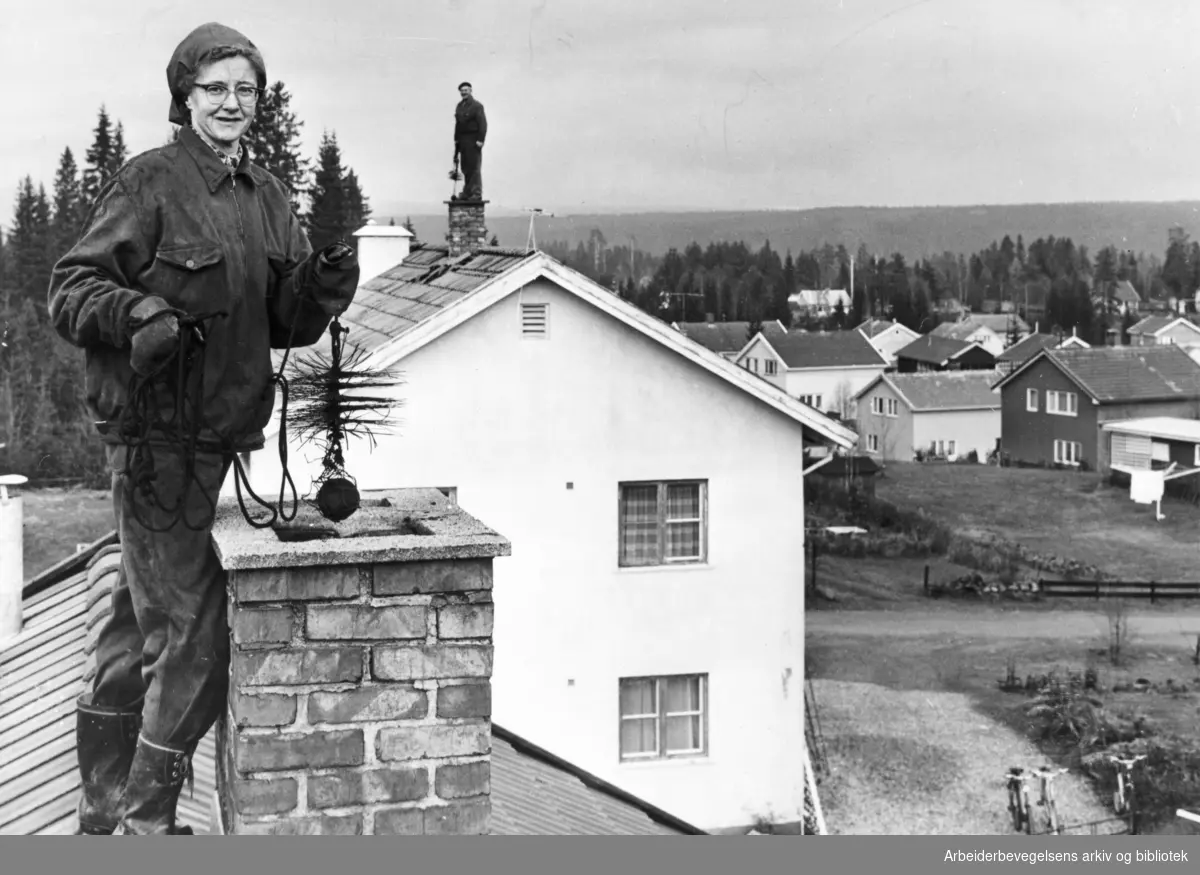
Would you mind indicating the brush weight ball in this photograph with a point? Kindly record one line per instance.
(337, 499)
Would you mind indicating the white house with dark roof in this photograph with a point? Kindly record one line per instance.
(726, 338)
(824, 369)
(970, 331)
(1023, 350)
(945, 414)
(1165, 330)
(888, 337)
(650, 620)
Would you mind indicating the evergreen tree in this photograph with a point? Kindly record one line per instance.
(29, 245)
(274, 141)
(100, 158)
(68, 205)
(339, 207)
(119, 153)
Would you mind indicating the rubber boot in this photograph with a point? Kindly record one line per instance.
(105, 741)
(156, 778)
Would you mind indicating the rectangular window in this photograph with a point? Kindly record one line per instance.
(663, 523)
(754, 365)
(811, 400)
(873, 444)
(664, 717)
(877, 406)
(1031, 400)
(1062, 403)
(1160, 452)
(1196, 460)
(1067, 452)
(950, 447)
(769, 367)
(893, 407)
(535, 320)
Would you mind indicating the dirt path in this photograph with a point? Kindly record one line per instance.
(1166, 628)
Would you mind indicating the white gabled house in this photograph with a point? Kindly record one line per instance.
(650, 621)
(824, 369)
(887, 337)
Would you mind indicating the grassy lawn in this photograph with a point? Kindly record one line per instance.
(1065, 513)
(58, 519)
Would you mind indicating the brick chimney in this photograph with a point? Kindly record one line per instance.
(468, 231)
(12, 559)
(360, 678)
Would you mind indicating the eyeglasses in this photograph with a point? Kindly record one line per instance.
(247, 95)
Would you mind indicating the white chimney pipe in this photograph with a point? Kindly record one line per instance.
(380, 248)
(12, 557)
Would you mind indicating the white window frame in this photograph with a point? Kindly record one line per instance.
(873, 444)
(877, 405)
(663, 522)
(769, 367)
(950, 445)
(1160, 451)
(893, 408)
(1067, 452)
(1062, 403)
(1031, 400)
(811, 400)
(660, 717)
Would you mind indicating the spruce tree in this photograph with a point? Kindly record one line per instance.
(68, 205)
(29, 245)
(99, 160)
(339, 207)
(274, 141)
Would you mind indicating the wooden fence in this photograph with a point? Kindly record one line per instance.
(1151, 589)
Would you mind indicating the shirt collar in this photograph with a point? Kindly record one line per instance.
(215, 166)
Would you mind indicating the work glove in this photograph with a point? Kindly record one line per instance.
(153, 333)
(335, 278)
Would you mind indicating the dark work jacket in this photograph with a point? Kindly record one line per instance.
(470, 120)
(177, 223)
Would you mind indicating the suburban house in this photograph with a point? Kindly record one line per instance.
(1002, 322)
(971, 331)
(1162, 330)
(887, 337)
(1023, 350)
(45, 668)
(824, 369)
(1121, 297)
(1154, 444)
(933, 353)
(819, 302)
(726, 338)
(1053, 406)
(650, 619)
(942, 414)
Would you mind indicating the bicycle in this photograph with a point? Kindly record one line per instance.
(1123, 797)
(1018, 799)
(1046, 776)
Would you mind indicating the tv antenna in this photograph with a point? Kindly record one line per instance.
(531, 239)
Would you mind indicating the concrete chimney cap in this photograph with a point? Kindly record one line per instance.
(371, 230)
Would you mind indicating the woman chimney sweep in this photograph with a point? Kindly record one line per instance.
(190, 249)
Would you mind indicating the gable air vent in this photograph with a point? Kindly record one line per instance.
(535, 320)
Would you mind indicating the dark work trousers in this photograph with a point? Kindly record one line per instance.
(167, 638)
(471, 158)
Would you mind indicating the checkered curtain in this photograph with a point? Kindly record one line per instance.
(639, 524)
(683, 504)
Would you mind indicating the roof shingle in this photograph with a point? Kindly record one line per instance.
(933, 349)
(726, 336)
(947, 390)
(1030, 346)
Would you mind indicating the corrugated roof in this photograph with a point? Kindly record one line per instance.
(933, 349)
(826, 349)
(726, 336)
(1112, 374)
(44, 670)
(947, 390)
(1165, 427)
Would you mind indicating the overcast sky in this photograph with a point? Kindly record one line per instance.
(648, 104)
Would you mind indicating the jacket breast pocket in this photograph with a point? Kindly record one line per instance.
(187, 275)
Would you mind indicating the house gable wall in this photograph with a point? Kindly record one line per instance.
(1029, 437)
